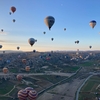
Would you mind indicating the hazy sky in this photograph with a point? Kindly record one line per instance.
(74, 15)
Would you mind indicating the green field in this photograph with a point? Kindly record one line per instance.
(5, 87)
(89, 89)
(88, 63)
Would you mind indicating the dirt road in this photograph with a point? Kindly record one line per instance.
(62, 92)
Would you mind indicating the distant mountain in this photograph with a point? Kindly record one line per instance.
(11, 51)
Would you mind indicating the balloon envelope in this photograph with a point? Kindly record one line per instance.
(18, 48)
(49, 21)
(5, 70)
(32, 95)
(14, 20)
(92, 23)
(0, 46)
(32, 41)
(22, 94)
(28, 89)
(19, 77)
(27, 68)
(13, 9)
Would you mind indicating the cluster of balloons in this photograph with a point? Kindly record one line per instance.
(77, 41)
(27, 93)
(13, 9)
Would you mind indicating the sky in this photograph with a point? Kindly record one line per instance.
(74, 15)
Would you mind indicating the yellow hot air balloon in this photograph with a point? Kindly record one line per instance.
(92, 23)
(49, 21)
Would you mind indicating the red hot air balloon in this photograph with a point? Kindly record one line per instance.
(32, 95)
(19, 77)
(13, 9)
(22, 94)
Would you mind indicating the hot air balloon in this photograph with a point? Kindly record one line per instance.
(34, 50)
(19, 77)
(92, 23)
(13, 9)
(44, 32)
(32, 41)
(27, 68)
(18, 48)
(22, 94)
(1, 30)
(49, 21)
(9, 13)
(32, 95)
(14, 20)
(5, 70)
(90, 47)
(64, 29)
(52, 39)
(24, 61)
(75, 41)
(28, 89)
(3, 51)
(0, 46)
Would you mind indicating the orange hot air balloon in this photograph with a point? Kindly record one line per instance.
(13, 9)
(22, 94)
(27, 68)
(24, 60)
(32, 95)
(5, 70)
(19, 77)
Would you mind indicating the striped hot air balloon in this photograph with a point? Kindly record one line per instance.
(32, 95)
(22, 94)
(28, 89)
